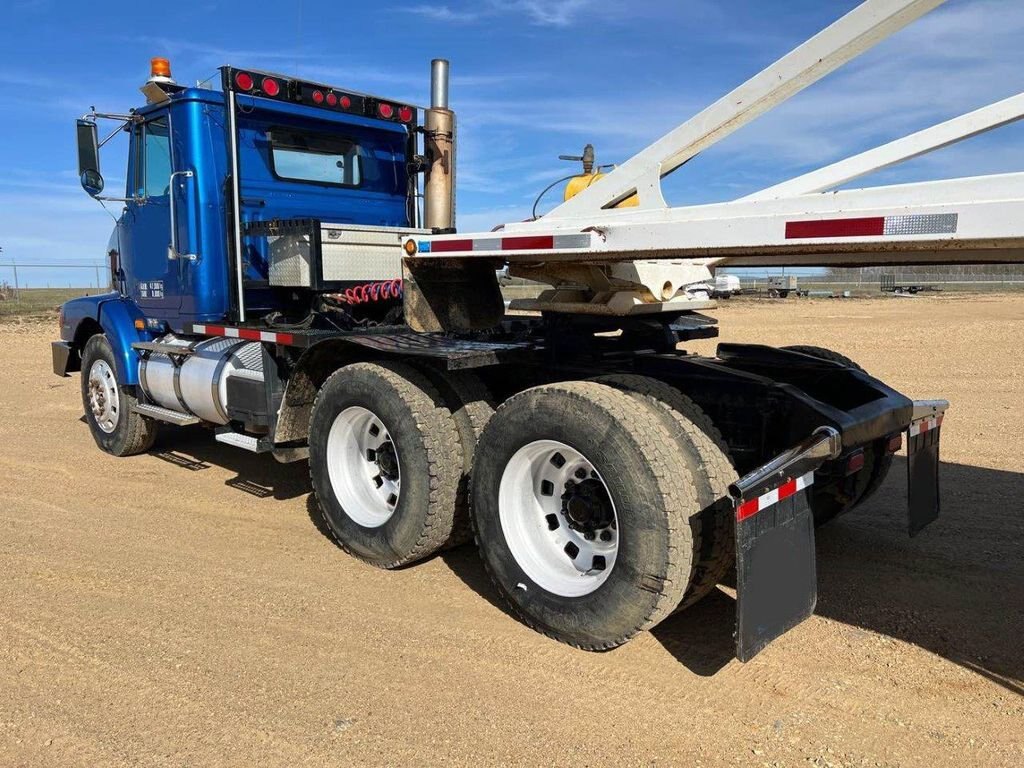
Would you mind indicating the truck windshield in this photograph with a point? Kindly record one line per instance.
(311, 157)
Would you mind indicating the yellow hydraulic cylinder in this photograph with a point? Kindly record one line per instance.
(578, 183)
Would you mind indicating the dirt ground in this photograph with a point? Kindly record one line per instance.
(183, 608)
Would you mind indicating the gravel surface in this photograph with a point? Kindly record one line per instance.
(182, 608)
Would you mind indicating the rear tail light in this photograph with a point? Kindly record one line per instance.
(405, 114)
(385, 110)
(895, 443)
(855, 463)
(270, 86)
(244, 81)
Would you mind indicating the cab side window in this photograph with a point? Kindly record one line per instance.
(153, 171)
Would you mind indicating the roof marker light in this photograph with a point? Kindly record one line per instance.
(385, 110)
(270, 86)
(318, 97)
(332, 100)
(244, 81)
(345, 102)
(405, 114)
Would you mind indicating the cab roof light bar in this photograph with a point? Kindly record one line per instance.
(268, 85)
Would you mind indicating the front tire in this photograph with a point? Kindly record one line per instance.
(585, 513)
(109, 406)
(385, 463)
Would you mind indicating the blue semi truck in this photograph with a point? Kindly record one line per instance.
(263, 287)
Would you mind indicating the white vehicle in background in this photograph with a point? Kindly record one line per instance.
(726, 286)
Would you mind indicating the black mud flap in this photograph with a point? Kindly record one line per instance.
(923, 474)
(776, 578)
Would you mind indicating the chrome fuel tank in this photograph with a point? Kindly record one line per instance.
(198, 385)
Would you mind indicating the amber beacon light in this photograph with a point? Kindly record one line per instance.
(159, 67)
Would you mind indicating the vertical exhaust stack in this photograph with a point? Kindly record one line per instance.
(443, 295)
(439, 187)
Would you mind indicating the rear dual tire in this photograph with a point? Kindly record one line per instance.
(561, 461)
(707, 457)
(388, 446)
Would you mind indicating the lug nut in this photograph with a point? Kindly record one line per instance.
(606, 535)
(588, 535)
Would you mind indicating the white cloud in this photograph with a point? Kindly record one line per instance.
(548, 13)
(556, 13)
(443, 13)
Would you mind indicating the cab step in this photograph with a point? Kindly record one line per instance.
(245, 442)
(165, 414)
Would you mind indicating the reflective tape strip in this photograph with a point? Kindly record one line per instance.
(874, 226)
(509, 243)
(774, 496)
(250, 334)
(921, 224)
(925, 425)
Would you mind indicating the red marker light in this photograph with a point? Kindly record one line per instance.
(332, 100)
(244, 81)
(270, 86)
(855, 463)
(345, 102)
(318, 97)
(385, 110)
(405, 114)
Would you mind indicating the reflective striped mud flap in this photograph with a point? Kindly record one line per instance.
(776, 579)
(923, 472)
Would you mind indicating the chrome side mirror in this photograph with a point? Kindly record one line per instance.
(89, 157)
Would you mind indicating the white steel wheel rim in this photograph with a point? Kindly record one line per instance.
(542, 535)
(104, 402)
(363, 467)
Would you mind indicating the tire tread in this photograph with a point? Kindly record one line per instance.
(444, 454)
(660, 454)
(711, 467)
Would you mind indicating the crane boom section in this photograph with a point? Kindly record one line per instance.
(859, 30)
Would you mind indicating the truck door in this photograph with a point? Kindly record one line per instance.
(157, 278)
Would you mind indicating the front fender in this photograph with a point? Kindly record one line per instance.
(116, 317)
(78, 313)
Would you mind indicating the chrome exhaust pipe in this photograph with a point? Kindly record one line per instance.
(439, 84)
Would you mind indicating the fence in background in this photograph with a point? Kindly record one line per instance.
(980, 277)
(16, 276)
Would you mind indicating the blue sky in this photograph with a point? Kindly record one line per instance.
(532, 79)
